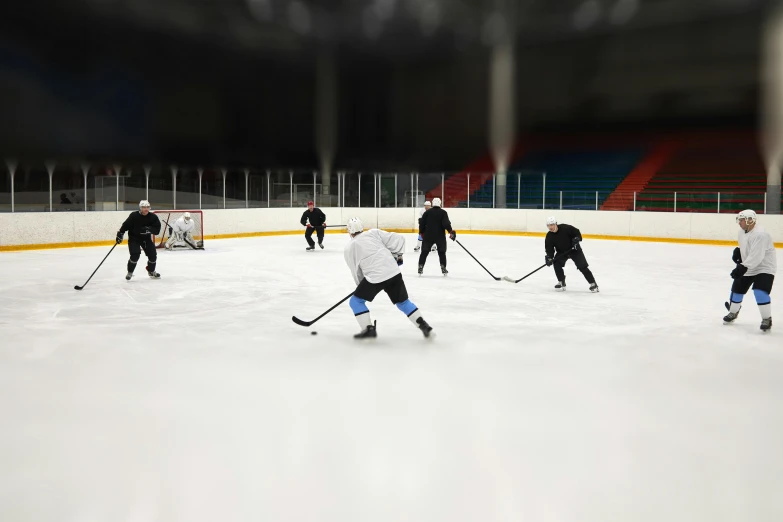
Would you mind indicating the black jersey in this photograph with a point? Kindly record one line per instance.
(138, 225)
(317, 217)
(434, 223)
(561, 240)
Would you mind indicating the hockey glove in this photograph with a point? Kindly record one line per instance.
(575, 242)
(739, 271)
(548, 260)
(398, 258)
(736, 256)
(453, 235)
(119, 237)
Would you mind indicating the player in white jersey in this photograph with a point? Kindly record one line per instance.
(427, 206)
(182, 232)
(756, 266)
(374, 257)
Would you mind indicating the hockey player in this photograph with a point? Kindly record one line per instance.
(141, 226)
(317, 224)
(756, 266)
(181, 232)
(564, 239)
(374, 258)
(432, 228)
(427, 206)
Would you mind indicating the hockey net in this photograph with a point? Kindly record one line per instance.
(168, 217)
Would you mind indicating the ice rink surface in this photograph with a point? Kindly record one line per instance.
(196, 398)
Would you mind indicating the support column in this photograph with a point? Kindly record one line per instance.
(50, 165)
(501, 102)
(326, 118)
(11, 164)
(772, 108)
(85, 171)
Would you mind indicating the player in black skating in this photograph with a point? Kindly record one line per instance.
(141, 226)
(317, 224)
(756, 261)
(374, 258)
(564, 239)
(432, 227)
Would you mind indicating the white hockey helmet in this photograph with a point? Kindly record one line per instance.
(436, 202)
(187, 216)
(551, 221)
(748, 215)
(354, 225)
(144, 203)
(428, 203)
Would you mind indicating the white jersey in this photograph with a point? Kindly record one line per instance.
(757, 251)
(181, 225)
(369, 255)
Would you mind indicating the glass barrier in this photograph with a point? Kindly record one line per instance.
(67, 187)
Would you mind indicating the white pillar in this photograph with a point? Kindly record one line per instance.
(50, 169)
(224, 172)
(675, 202)
(502, 112)
(772, 103)
(200, 175)
(468, 190)
(247, 196)
(85, 171)
(326, 115)
(147, 170)
(718, 202)
(174, 170)
(11, 164)
(117, 171)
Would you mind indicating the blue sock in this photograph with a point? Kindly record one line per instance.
(761, 296)
(359, 306)
(407, 307)
(737, 298)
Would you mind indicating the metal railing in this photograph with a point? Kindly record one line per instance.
(55, 187)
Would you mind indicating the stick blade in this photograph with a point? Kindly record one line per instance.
(506, 278)
(300, 322)
(77, 287)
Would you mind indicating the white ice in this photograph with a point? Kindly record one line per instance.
(196, 398)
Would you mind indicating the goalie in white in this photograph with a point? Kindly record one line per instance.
(182, 233)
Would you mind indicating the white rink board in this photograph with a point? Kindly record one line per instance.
(84, 227)
(195, 398)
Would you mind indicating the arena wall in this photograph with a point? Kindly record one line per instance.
(22, 231)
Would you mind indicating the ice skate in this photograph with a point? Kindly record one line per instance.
(443, 270)
(321, 245)
(128, 276)
(561, 286)
(310, 248)
(367, 333)
(421, 269)
(766, 324)
(594, 287)
(153, 274)
(730, 317)
(424, 327)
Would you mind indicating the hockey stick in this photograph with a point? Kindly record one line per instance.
(77, 287)
(191, 245)
(308, 323)
(506, 278)
(477, 261)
